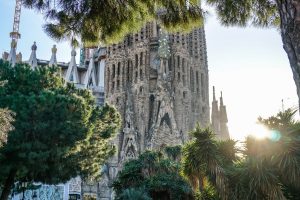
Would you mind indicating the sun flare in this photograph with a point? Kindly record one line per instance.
(260, 132)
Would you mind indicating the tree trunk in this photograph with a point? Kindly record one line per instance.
(289, 11)
(8, 184)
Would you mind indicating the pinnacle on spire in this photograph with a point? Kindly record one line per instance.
(221, 99)
(90, 79)
(214, 93)
(53, 60)
(12, 54)
(72, 73)
(33, 60)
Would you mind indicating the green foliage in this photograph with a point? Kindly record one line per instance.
(154, 174)
(208, 193)
(269, 166)
(109, 21)
(203, 161)
(173, 152)
(257, 12)
(134, 194)
(266, 168)
(58, 132)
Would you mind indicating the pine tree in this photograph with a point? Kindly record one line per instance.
(110, 20)
(153, 175)
(58, 132)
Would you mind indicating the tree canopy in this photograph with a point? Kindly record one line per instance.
(265, 168)
(155, 176)
(109, 21)
(95, 21)
(59, 132)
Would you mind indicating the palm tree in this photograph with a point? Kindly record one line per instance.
(285, 147)
(269, 168)
(254, 177)
(202, 161)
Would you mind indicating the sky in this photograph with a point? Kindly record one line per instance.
(248, 64)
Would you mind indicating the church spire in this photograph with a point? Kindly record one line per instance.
(221, 99)
(215, 121)
(72, 73)
(53, 60)
(219, 118)
(214, 94)
(224, 133)
(12, 55)
(33, 60)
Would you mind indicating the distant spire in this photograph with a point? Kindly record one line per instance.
(224, 133)
(223, 113)
(12, 55)
(33, 60)
(72, 73)
(19, 57)
(221, 99)
(215, 117)
(53, 60)
(90, 79)
(214, 93)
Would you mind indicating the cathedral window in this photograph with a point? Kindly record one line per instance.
(118, 84)
(183, 80)
(119, 68)
(141, 75)
(128, 70)
(142, 34)
(141, 58)
(141, 90)
(178, 76)
(136, 60)
(113, 87)
(178, 62)
(183, 65)
(192, 80)
(197, 81)
(114, 71)
(136, 76)
(170, 64)
(184, 94)
(202, 87)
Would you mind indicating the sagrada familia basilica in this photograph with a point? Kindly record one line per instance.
(158, 82)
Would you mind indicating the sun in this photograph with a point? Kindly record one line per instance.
(260, 132)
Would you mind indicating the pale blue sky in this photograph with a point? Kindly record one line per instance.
(248, 64)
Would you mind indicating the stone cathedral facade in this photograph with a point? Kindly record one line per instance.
(159, 84)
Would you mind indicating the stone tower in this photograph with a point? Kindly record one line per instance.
(159, 84)
(219, 118)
